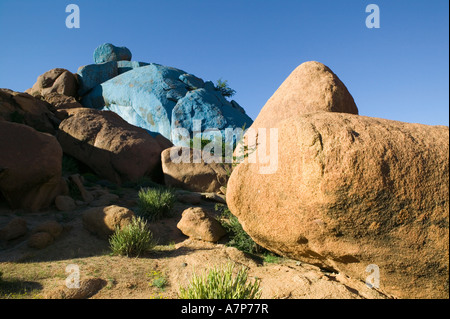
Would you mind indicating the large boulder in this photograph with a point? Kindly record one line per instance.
(30, 166)
(25, 109)
(110, 146)
(350, 191)
(57, 80)
(182, 169)
(107, 52)
(162, 99)
(311, 87)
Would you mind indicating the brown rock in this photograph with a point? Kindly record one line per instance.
(88, 288)
(195, 177)
(14, 229)
(188, 197)
(198, 224)
(104, 200)
(76, 179)
(215, 197)
(311, 87)
(103, 221)
(65, 203)
(32, 166)
(25, 109)
(60, 101)
(52, 227)
(40, 240)
(110, 146)
(351, 191)
(57, 80)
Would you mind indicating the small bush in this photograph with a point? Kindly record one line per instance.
(223, 87)
(132, 240)
(238, 238)
(155, 203)
(157, 279)
(219, 283)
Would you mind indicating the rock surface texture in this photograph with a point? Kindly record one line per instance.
(311, 87)
(198, 224)
(109, 145)
(102, 221)
(25, 109)
(57, 80)
(30, 166)
(182, 170)
(351, 191)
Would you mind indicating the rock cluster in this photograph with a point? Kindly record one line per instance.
(158, 98)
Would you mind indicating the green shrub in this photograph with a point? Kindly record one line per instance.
(157, 279)
(155, 203)
(219, 283)
(238, 238)
(223, 87)
(132, 240)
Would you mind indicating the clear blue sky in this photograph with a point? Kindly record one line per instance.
(398, 72)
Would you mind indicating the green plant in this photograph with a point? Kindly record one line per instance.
(132, 240)
(271, 258)
(238, 238)
(223, 87)
(157, 279)
(155, 203)
(219, 283)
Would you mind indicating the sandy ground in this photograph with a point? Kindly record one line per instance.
(32, 273)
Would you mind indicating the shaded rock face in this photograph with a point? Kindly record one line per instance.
(57, 80)
(311, 87)
(109, 145)
(30, 166)
(183, 172)
(16, 228)
(160, 99)
(25, 109)
(351, 191)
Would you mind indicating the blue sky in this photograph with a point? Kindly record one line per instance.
(399, 71)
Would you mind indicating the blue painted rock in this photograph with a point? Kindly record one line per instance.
(125, 66)
(160, 98)
(94, 74)
(108, 52)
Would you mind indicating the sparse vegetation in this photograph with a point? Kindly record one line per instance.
(219, 283)
(132, 240)
(238, 238)
(157, 279)
(271, 258)
(223, 87)
(155, 203)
